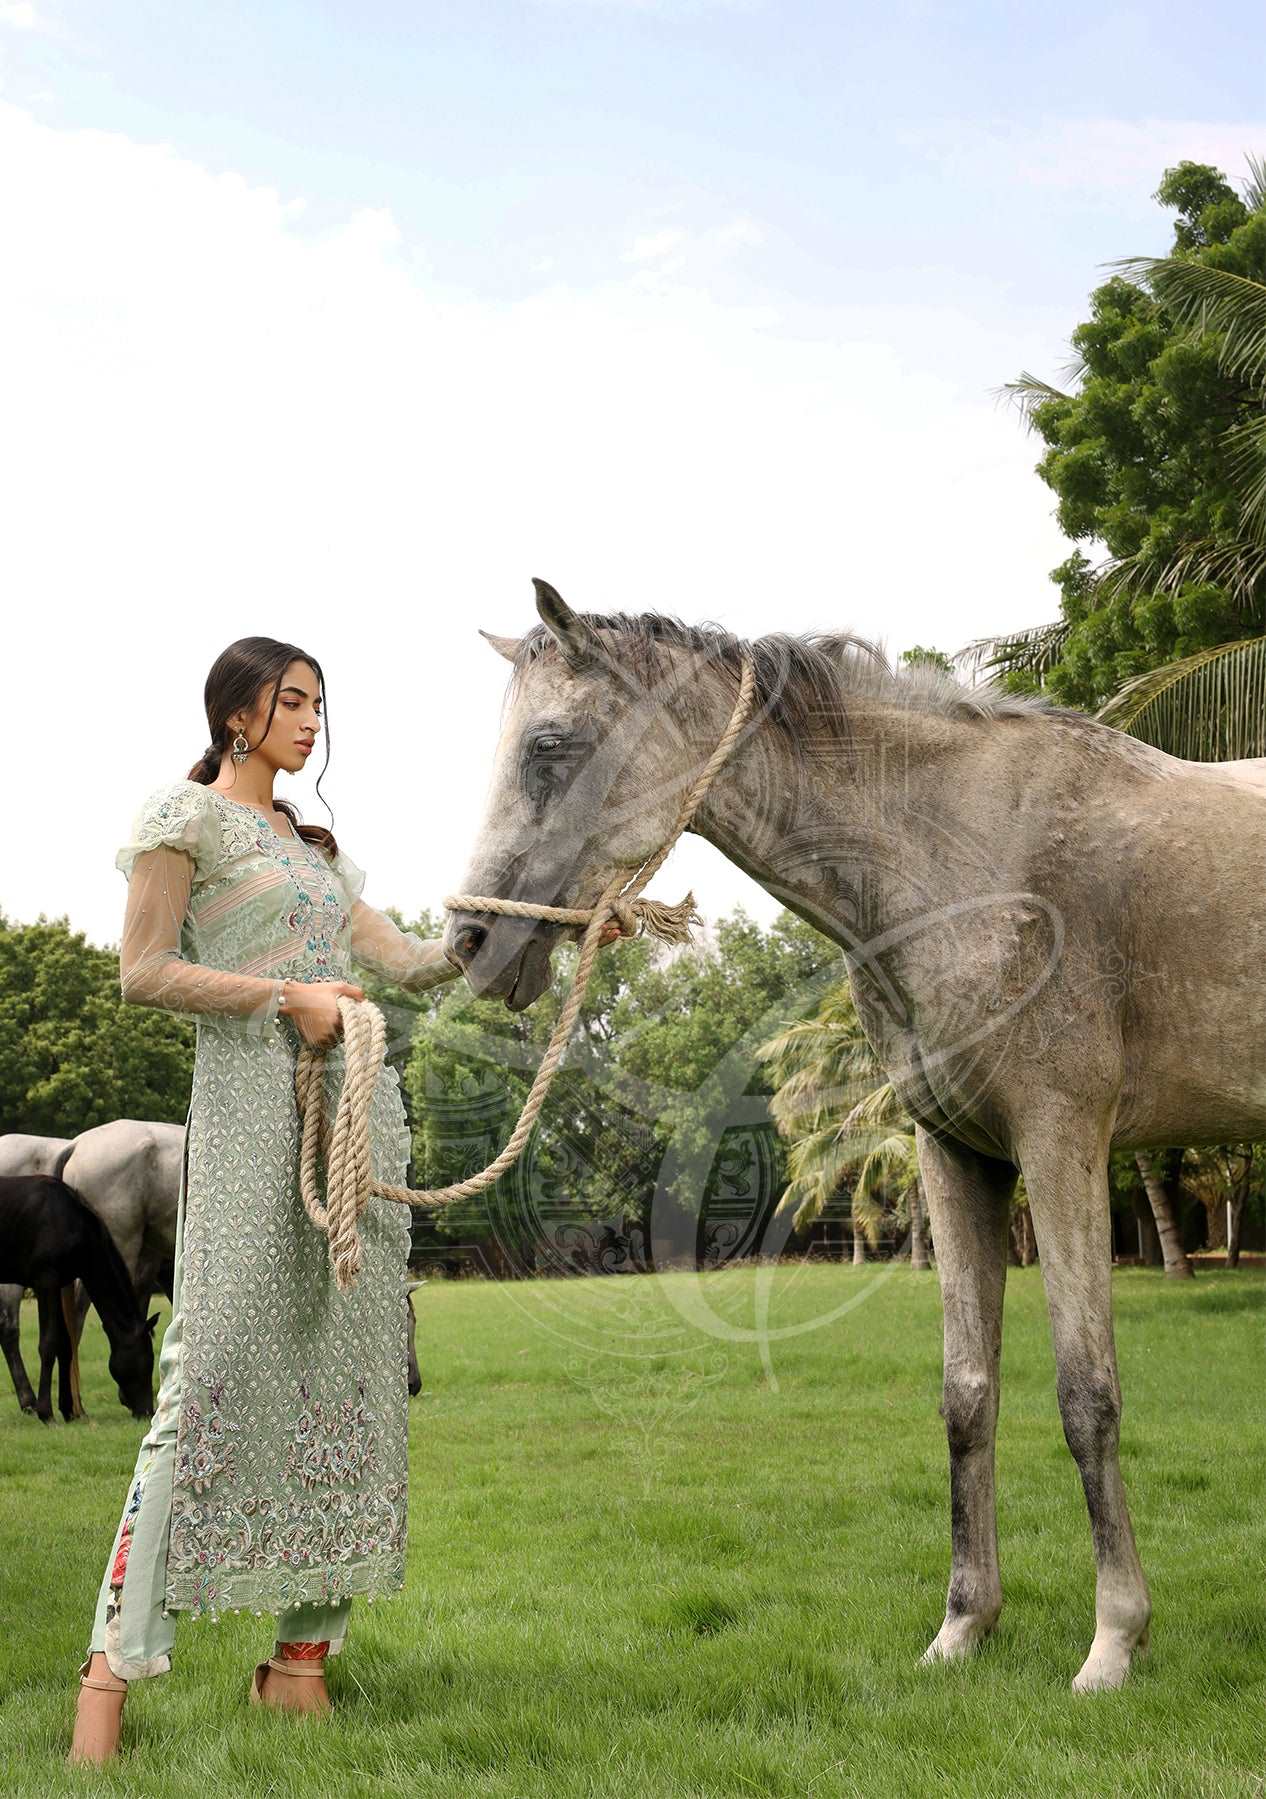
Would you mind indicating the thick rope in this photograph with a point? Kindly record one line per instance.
(345, 1147)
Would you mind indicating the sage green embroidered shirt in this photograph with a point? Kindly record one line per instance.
(290, 1479)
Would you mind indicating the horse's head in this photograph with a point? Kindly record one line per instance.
(595, 753)
(132, 1367)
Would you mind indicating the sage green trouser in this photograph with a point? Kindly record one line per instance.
(131, 1625)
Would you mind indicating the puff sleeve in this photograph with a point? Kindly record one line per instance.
(174, 841)
(181, 814)
(378, 944)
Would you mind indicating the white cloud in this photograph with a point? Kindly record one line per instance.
(653, 246)
(673, 250)
(19, 15)
(220, 422)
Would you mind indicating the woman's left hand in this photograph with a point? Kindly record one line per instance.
(609, 932)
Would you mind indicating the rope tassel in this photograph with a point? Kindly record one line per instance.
(671, 923)
(345, 1146)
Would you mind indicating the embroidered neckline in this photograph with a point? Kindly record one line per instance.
(290, 837)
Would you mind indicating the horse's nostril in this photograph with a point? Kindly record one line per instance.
(467, 941)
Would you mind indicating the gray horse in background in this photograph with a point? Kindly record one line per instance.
(128, 1173)
(1054, 934)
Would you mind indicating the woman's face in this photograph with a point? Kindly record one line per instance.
(296, 721)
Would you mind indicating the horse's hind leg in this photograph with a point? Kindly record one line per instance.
(1066, 1174)
(969, 1198)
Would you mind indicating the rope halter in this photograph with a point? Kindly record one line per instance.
(345, 1146)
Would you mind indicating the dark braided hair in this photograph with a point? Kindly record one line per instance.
(237, 677)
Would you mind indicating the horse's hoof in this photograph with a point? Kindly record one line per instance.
(1104, 1669)
(957, 1639)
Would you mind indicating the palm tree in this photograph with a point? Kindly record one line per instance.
(843, 1123)
(1211, 706)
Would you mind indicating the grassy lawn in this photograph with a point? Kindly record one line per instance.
(645, 1563)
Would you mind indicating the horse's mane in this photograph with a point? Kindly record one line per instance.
(803, 683)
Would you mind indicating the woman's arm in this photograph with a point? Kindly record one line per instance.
(152, 971)
(412, 962)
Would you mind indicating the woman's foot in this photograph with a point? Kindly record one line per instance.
(291, 1686)
(99, 1718)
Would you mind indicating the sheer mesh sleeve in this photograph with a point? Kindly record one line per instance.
(152, 971)
(412, 962)
(378, 944)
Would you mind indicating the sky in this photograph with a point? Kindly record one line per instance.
(338, 323)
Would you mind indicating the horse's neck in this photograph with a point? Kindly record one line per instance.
(840, 834)
(106, 1280)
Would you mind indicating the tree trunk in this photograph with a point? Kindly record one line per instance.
(1162, 1183)
(1149, 1238)
(918, 1229)
(1023, 1241)
(859, 1245)
(1237, 1193)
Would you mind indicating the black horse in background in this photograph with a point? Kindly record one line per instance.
(48, 1240)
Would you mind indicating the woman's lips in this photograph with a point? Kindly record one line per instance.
(305, 747)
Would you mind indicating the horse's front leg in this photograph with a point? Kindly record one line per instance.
(11, 1344)
(49, 1302)
(1065, 1167)
(969, 1199)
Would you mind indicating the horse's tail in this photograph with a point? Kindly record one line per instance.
(68, 1318)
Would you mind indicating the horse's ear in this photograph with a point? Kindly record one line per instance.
(151, 1323)
(504, 646)
(573, 634)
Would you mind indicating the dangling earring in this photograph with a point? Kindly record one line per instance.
(241, 749)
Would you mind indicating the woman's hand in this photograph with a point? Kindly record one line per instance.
(609, 932)
(314, 1007)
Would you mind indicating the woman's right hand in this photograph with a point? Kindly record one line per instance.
(313, 1005)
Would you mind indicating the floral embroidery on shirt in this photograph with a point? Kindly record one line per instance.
(332, 1444)
(205, 1449)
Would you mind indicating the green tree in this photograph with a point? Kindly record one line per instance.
(72, 1054)
(662, 1051)
(1159, 455)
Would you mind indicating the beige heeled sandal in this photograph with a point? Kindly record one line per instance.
(112, 1685)
(297, 1669)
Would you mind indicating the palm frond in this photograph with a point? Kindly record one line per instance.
(1246, 445)
(1212, 300)
(1210, 707)
(879, 1107)
(1238, 567)
(1026, 393)
(1255, 185)
(1032, 651)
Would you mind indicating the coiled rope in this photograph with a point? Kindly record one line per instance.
(345, 1146)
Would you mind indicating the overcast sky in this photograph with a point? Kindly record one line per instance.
(339, 322)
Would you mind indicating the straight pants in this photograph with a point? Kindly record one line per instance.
(132, 1626)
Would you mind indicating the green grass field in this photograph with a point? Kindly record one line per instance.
(643, 1563)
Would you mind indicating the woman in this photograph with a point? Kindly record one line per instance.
(273, 1476)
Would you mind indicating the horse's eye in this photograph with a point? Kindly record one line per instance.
(551, 764)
